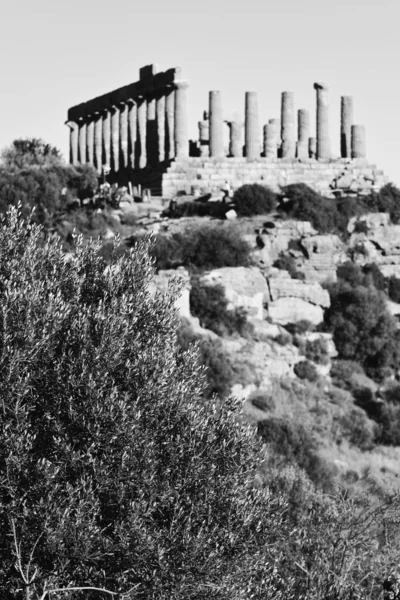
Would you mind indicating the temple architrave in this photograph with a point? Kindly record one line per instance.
(139, 134)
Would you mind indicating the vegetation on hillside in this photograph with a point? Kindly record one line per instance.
(115, 472)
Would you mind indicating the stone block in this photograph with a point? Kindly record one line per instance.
(291, 310)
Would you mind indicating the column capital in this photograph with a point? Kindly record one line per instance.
(71, 124)
(181, 85)
(321, 86)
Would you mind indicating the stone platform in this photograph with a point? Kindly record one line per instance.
(329, 177)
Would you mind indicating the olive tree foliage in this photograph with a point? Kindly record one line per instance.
(114, 472)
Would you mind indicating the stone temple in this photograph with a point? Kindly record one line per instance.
(139, 135)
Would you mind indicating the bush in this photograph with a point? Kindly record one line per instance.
(293, 442)
(363, 330)
(394, 289)
(342, 372)
(262, 401)
(317, 351)
(306, 370)
(304, 204)
(118, 474)
(204, 247)
(358, 429)
(209, 304)
(212, 356)
(254, 199)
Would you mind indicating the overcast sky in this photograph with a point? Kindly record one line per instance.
(57, 54)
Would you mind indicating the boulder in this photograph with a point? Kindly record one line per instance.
(322, 244)
(231, 214)
(244, 287)
(296, 288)
(291, 310)
(372, 220)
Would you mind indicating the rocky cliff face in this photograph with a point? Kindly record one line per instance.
(272, 299)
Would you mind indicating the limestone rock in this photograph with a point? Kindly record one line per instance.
(231, 214)
(295, 288)
(322, 244)
(372, 220)
(291, 310)
(245, 287)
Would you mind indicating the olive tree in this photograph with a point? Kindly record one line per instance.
(115, 474)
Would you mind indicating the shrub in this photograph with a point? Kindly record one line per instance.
(296, 445)
(209, 304)
(363, 330)
(262, 401)
(212, 356)
(254, 199)
(317, 351)
(300, 327)
(394, 289)
(358, 429)
(306, 370)
(118, 474)
(342, 372)
(206, 246)
(303, 203)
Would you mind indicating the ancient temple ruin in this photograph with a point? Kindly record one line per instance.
(139, 134)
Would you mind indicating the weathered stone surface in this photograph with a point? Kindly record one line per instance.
(346, 121)
(252, 134)
(291, 310)
(323, 141)
(323, 244)
(231, 214)
(245, 287)
(358, 143)
(296, 288)
(372, 220)
(216, 127)
(287, 125)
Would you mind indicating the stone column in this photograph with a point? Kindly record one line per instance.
(346, 121)
(98, 150)
(204, 135)
(160, 113)
(123, 134)
(142, 130)
(115, 138)
(151, 135)
(82, 141)
(312, 147)
(90, 140)
(358, 144)
(181, 133)
(303, 133)
(216, 125)
(235, 138)
(288, 149)
(323, 141)
(270, 140)
(107, 139)
(170, 124)
(252, 133)
(132, 132)
(73, 142)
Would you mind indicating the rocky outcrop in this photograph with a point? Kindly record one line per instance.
(294, 300)
(285, 287)
(245, 287)
(293, 310)
(375, 239)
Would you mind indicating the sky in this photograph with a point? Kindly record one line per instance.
(56, 54)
